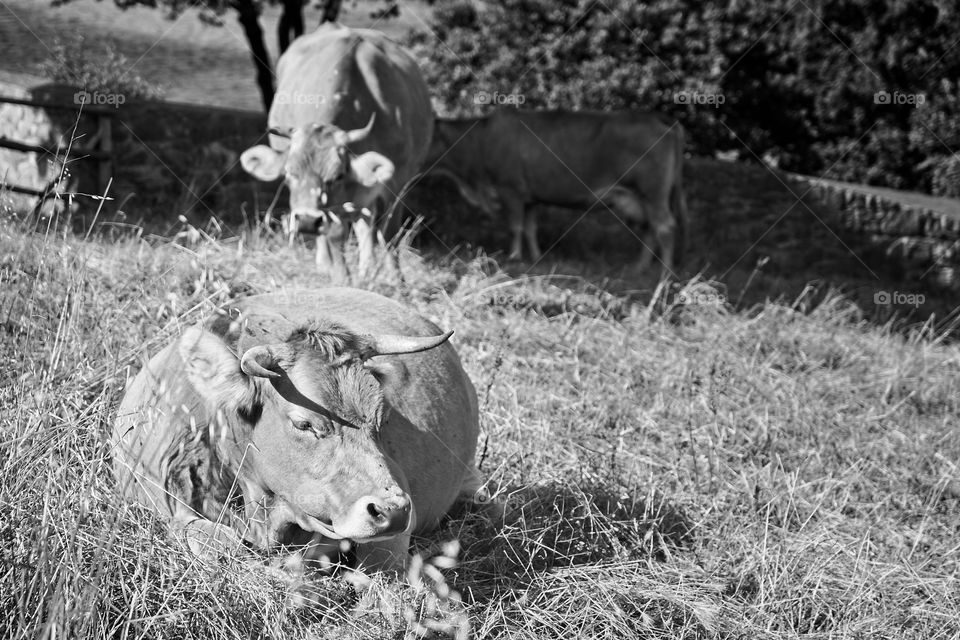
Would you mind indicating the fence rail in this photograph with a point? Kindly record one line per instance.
(59, 106)
(99, 148)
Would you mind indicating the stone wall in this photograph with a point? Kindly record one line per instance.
(919, 234)
(33, 170)
(168, 159)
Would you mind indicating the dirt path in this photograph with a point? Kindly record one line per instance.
(192, 61)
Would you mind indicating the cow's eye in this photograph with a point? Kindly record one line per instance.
(303, 425)
(321, 428)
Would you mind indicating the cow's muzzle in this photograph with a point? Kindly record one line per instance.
(307, 222)
(377, 516)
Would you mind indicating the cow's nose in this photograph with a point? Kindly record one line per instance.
(388, 515)
(306, 222)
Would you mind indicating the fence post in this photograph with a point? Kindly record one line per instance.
(105, 165)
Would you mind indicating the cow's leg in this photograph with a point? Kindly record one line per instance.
(530, 230)
(392, 254)
(648, 241)
(515, 211)
(330, 250)
(366, 231)
(205, 538)
(666, 233)
(661, 226)
(625, 204)
(324, 254)
(665, 229)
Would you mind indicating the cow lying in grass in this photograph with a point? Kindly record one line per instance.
(302, 418)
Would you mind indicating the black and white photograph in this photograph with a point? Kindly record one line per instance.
(479, 319)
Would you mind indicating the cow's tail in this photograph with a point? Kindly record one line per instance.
(678, 201)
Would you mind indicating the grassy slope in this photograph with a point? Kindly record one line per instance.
(688, 472)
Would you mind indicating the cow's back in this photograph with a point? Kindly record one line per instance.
(152, 435)
(561, 157)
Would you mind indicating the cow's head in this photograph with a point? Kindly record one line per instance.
(302, 416)
(320, 170)
(451, 155)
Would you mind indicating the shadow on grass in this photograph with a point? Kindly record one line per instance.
(748, 231)
(549, 527)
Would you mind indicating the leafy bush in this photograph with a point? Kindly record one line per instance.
(576, 55)
(95, 68)
(853, 89)
(935, 132)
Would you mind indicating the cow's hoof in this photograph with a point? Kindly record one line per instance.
(210, 540)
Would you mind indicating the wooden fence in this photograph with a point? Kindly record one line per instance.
(99, 148)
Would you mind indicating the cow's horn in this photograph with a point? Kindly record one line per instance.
(386, 345)
(356, 135)
(260, 362)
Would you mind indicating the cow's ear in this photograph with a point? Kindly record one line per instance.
(262, 162)
(388, 370)
(214, 371)
(370, 168)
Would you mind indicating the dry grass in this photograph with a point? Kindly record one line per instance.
(664, 470)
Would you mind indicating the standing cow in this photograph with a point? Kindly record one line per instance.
(302, 418)
(630, 162)
(350, 124)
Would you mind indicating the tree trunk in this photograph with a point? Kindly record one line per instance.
(250, 21)
(331, 10)
(291, 23)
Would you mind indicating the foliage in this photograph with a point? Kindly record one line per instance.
(799, 81)
(97, 68)
(935, 133)
(571, 54)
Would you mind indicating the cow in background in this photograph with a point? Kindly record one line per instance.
(350, 125)
(628, 161)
